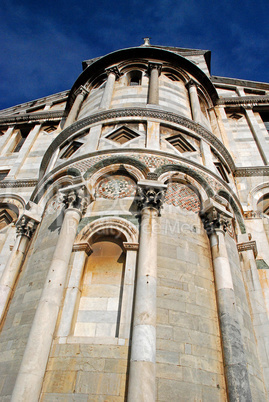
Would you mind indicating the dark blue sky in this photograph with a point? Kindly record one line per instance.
(44, 42)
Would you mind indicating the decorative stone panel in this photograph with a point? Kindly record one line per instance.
(116, 187)
(182, 196)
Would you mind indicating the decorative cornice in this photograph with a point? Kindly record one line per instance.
(251, 171)
(142, 113)
(83, 247)
(18, 183)
(130, 246)
(249, 245)
(243, 100)
(36, 117)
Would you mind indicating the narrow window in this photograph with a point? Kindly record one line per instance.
(134, 78)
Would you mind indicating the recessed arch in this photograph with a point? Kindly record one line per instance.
(116, 160)
(184, 169)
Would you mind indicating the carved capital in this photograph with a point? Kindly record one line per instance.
(249, 245)
(155, 66)
(150, 194)
(76, 198)
(214, 216)
(191, 83)
(81, 91)
(26, 227)
(113, 70)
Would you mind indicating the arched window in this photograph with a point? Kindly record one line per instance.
(134, 78)
(101, 291)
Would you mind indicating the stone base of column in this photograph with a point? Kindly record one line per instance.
(142, 387)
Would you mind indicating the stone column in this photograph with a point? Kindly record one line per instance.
(194, 100)
(25, 229)
(154, 70)
(257, 133)
(80, 94)
(32, 370)
(112, 74)
(73, 291)
(142, 383)
(216, 218)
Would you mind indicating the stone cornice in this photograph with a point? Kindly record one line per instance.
(36, 117)
(251, 171)
(142, 113)
(18, 183)
(244, 100)
(249, 245)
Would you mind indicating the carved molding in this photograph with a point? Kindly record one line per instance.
(36, 117)
(150, 194)
(249, 245)
(252, 171)
(26, 227)
(18, 183)
(243, 100)
(131, 246)
(142, 113)
(83, 247)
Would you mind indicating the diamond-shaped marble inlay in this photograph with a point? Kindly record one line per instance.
(182, 196)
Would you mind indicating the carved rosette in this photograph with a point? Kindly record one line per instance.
(150, 194)
(25, 227)
(214, 217)
(76, 198)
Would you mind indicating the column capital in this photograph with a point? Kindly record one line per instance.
(247, 107)
(113, 70)
(81, 90)
(83, 247)
(150, 194)
(214, 216)
(191, 83)
(76, 197)
(26, 226)
(155, 66)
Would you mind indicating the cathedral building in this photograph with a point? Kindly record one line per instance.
(134, 235)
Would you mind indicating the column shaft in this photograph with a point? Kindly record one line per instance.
(73, 292)
(11, 271)
(216, 218)
(73, 113)
(262, 145)
(31, 373)
(195, 104)
(108, 92)
(143, 355)
(153, 94)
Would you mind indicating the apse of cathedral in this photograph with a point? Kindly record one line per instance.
(134, 235)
